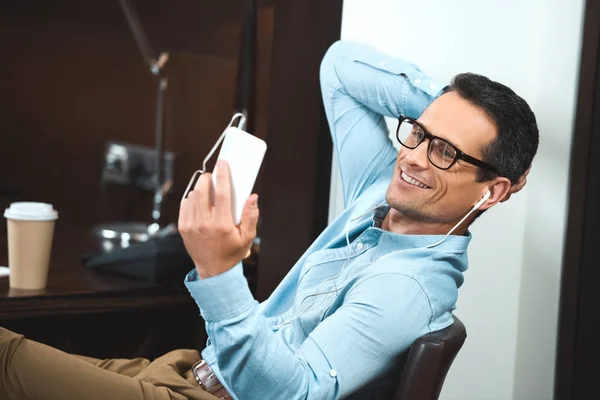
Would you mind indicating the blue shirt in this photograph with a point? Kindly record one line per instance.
(343, 314)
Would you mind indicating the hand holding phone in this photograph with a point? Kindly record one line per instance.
(244, 153)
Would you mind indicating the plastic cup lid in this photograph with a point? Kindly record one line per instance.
(29, 211)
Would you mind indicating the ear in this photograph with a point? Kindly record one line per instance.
(499, 188)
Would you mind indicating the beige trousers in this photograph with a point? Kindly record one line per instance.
(31, 370)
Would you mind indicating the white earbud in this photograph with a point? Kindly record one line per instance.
(475, 207)
(483, 200)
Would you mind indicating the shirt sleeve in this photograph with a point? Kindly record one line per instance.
(350, 347)
(359, 87)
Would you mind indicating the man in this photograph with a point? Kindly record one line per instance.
(382, 274)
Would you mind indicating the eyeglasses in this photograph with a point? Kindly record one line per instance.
(441, 153)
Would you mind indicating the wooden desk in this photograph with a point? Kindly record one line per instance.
(101, 315)
(75, 291)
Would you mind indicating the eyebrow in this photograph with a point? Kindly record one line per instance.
(436, 135)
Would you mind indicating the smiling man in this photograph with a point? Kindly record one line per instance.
(384, 273)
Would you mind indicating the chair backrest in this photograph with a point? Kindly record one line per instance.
(423, 369)
(428, 362)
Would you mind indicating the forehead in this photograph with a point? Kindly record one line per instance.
(455, 119)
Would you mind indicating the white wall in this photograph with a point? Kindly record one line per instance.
(561, 27)
(509, 301)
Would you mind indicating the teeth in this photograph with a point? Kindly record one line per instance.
(413, 181)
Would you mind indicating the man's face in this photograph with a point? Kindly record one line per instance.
(451, 193)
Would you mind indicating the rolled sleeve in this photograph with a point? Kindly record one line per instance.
(223, 296)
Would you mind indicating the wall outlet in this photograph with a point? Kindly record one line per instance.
(133, 165)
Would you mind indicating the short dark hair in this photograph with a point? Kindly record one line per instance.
(516, 143)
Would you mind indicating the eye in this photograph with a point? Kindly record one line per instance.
(445, 150)
(417, 133)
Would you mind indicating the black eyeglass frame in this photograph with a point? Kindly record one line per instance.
(460, 155)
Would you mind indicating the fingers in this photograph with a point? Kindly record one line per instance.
(198, 203)
(249, 218)
(223, 192)
(200, 197)
(520, 184)
(184, 213)
(523, 178)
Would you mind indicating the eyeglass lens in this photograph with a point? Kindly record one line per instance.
(441, 153)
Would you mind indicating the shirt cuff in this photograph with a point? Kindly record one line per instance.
(222, 296)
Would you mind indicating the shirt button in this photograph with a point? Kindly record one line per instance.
(360, 246)
(417, 81)
(307, 265)
(432, 86)
(329, 294)
(382, 63)
(332, 373)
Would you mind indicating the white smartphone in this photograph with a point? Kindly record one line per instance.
(244, 153)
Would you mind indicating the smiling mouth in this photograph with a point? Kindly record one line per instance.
(413, 181)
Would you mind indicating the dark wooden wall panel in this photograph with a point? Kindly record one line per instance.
(577, 355)
(298, 166)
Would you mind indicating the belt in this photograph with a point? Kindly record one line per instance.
(208, 381)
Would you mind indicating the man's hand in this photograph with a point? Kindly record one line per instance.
(211, 238)
(520, 184)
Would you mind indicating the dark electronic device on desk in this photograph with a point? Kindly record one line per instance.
(158, 259)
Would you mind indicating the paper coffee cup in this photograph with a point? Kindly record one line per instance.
(30, 232)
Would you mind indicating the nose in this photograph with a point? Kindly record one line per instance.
(417, 157)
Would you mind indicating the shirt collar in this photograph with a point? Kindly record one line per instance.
(379, 215)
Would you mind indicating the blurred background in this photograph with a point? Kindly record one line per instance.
(73, 82)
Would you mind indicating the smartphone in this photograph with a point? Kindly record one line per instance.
(244, 153)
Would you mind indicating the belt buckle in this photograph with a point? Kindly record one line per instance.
(195, 369)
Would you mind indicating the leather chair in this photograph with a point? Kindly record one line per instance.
(422, 370)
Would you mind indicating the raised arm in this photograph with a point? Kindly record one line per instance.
(360, 86)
